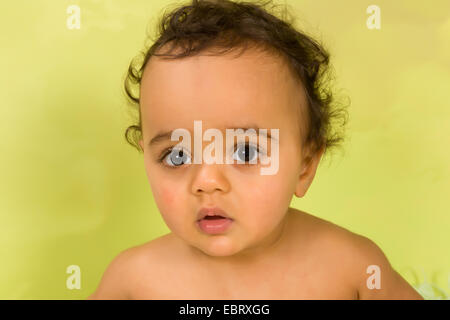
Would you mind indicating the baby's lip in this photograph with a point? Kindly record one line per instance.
(216, 211)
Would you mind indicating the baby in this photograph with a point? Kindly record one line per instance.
(220, 66)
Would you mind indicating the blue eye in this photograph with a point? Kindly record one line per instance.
(246, 153)
(176, 157)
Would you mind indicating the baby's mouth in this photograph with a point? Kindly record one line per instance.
(214, 217)
(214, 224)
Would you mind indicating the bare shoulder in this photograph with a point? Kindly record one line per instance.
(379, 280)
(357, 259)
(124, 274)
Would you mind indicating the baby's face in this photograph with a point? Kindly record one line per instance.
(254, 89)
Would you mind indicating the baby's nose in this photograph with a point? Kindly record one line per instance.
(209, 178)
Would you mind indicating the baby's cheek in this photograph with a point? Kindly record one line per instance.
(163, 194)
(260, 196)
(167, 195)
(269, 196)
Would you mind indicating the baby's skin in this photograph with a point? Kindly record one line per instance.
(313, 259)
(270, 250)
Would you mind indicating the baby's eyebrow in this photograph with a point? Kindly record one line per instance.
(160, 137)
(166, 135)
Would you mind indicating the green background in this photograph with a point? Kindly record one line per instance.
(73, 192)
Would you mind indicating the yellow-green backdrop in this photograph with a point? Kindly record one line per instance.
(72, 192)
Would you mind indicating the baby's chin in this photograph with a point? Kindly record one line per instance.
(216, 246)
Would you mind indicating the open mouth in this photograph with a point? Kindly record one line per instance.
(214, 217)
(214, 224)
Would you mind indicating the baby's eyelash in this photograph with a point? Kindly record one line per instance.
(164, 154)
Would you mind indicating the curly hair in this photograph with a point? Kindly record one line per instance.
(226, 24)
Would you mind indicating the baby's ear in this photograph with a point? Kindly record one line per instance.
(307, 173)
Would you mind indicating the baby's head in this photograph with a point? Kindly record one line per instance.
(231, 65)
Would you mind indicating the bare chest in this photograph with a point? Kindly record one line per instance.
(272, 283)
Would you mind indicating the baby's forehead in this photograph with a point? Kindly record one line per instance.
(252, 71)
(249, 84)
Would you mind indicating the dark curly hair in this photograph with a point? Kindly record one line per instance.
(226, 24)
